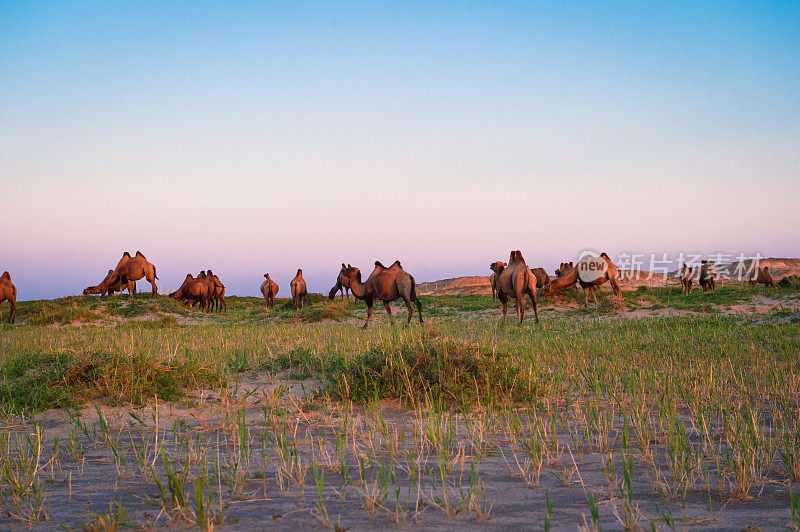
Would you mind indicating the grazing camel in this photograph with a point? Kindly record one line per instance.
(111, 284)
(8, 292)
(194, 290)
(131, 269)
(218, 293)
(541, 277)
(496, 267)
(708, 275)
(299, 289)
(269, 288)
(342, 284)
(570, 275)
(387, 285)
(763, 277)
(689, 276)
(516, 281)
(562, 270)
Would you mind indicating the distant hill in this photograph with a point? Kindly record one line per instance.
(479, 284)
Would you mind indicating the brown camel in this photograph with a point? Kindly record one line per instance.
(194, 290)
(708, 275)
(342, 284)
(541, 277)
(217, 294)
(516, 281)
(763, 277)
(8, 292)
(299, 289)
(269, 288)
(570, 275)
(688, 277)
(562, 270)
(111, 284)
(131, 269)
(496, 267)
(385, 284)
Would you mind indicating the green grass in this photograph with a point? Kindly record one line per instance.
(453, 359)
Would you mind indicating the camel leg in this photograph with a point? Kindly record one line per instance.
(504, 301)
(1, 311)
(586, 296)
(594, 295)
(417, 302)
(347, 291)
(519, 306)
(615, 286)
(369, 313)
(388, 308)
(410, 310)
(532, 295)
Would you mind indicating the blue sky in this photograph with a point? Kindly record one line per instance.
(262, 137)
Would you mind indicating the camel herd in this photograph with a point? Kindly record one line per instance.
(511, 280)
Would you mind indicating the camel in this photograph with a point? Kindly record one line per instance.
(562, 270)
(218, 293)
(569, 276)
(495, 267)
(194, 290)
(131, 269)
(111, 284)
(299, 289)
(387, 285)
(269, 288)
(708, 275)
(8, 292)
(689, 276)
(763, 277)
(342, 284)
(516, 280)
(541, 277)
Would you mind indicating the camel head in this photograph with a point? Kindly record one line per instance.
(353, 273)
(497, 267)
(91, 290)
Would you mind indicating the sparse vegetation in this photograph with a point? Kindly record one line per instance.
(658, 420)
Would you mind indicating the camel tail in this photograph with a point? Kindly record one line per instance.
(154, 272)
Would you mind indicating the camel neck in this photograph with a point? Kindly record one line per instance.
(564, 282)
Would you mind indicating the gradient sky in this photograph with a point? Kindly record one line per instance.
(262, 137)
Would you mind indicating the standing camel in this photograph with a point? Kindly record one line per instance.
(708, 275)
(268, 289)
(194, 290)
(516, 281)
(130, 269)
(763, 277)
(217, 294)
(387, 285)
(570, 275)
(688, 276)
(342, 284)
(8, 292)
(495, 267)
(299, 289)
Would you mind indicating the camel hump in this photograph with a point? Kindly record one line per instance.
(520, 258)
(126, 254)
(396, 264)
(5, 275)
(604, 255)
(379, 265)
(266, 276)
(343, 266)
(140, 254)
(766, 268)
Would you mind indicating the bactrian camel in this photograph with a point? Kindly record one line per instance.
(385, 284)
(8, 292)
(268, 289)
(516, 280)
(570, 275)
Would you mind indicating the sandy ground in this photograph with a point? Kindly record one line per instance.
(80, 487)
